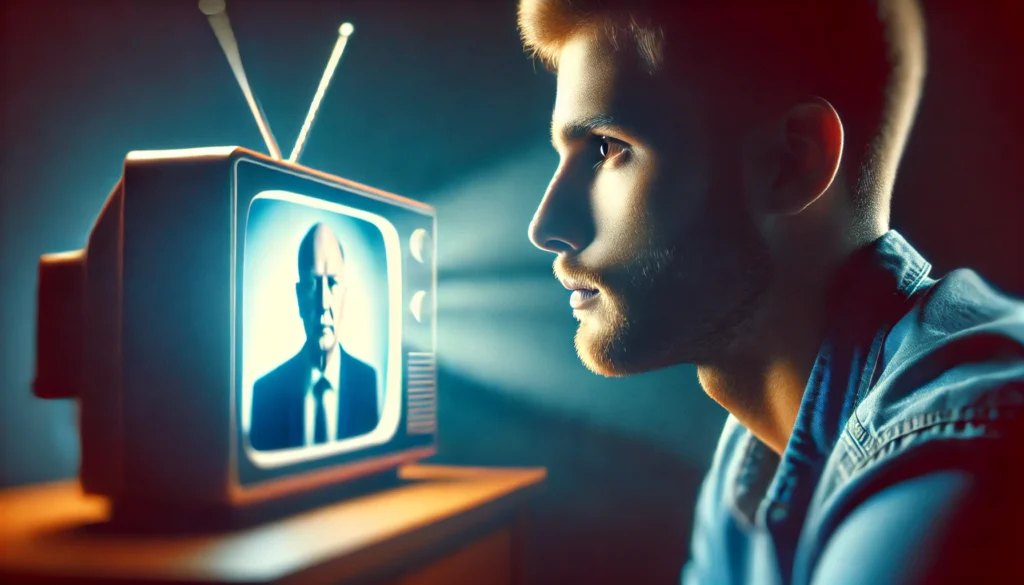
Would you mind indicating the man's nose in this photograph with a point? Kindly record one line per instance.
(325, 293)
(563, 221)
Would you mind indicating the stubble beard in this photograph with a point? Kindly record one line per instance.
(657, 312)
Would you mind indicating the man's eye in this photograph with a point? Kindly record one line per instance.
(610, 148)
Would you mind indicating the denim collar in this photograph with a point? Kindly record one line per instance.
(868, 294)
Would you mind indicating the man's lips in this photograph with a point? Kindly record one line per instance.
(582, 295)
(581, 299)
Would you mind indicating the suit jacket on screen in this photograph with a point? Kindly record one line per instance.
(278, 403)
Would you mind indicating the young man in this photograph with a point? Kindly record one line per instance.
(722, 199)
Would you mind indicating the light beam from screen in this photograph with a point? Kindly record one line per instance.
(482, 220)
(499, 306)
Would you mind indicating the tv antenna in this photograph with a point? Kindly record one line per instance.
(216, 13)
(339, 47)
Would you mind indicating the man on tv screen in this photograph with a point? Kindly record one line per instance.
(722, 199)
(323, 393)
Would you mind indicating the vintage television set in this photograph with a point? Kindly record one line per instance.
(239, 328)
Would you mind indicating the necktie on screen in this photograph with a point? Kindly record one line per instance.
(320, 416)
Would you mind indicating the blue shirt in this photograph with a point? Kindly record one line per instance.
(909, 418)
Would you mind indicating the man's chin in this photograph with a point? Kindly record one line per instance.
(599, 351)
(327, 342)
(621, 349)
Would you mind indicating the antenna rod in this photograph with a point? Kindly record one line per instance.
(339, 47)
(216, 12)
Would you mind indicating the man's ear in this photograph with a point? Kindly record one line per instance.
(299, 299)
(810, 148)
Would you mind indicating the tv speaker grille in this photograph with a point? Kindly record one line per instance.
(421, 374)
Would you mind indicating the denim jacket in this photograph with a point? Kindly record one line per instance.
(909, 366)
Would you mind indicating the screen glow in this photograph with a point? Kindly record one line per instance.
(278, 334)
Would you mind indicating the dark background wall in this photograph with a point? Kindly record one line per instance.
(436, 101)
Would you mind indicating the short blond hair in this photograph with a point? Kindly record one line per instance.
(866, 57)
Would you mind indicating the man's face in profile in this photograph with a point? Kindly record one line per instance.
(646, 215)
(321, 290)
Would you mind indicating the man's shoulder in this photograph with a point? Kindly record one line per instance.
(951, 367)
(946, 395)
(960, 304)
(356, 366)
(282, 376)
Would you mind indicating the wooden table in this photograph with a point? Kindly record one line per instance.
(441, 525)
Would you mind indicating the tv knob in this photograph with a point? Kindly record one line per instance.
(421, 245)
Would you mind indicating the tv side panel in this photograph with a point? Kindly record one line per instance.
(177, 328)
(100, 416)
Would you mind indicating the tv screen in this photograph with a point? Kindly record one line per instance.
(316, 338)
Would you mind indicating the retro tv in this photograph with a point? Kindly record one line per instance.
(240, 328)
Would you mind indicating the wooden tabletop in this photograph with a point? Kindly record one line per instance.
(43, 532)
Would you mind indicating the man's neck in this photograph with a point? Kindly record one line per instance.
(765, 398)
(321, 360)
(761, 381)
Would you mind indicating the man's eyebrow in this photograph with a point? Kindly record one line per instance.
(580, 128)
